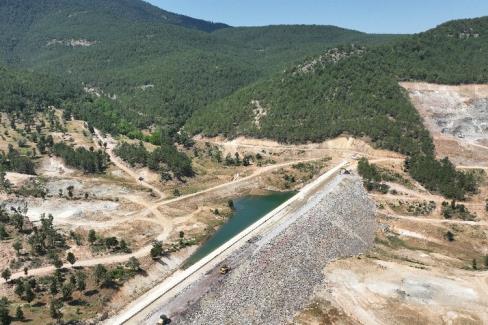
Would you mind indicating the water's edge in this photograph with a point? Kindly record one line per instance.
(248, 209)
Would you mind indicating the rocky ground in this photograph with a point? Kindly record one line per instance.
(459, 111)
(457, 118)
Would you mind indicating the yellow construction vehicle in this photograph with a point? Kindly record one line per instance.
(224, 269)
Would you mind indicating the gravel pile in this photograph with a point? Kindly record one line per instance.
(273, 277)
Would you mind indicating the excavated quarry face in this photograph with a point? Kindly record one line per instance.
(274, 275)
(457, 117)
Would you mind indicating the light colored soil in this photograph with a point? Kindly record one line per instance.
(54, 167)
(457, 117)
(111, 144)
(154, 274)
(341, 145)
(262, 291)
(17, 179)
(117, 207)
(390, 292)
(119, 204)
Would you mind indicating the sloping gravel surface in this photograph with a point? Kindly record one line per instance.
(273, 277)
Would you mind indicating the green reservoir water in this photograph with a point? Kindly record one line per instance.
(248, 210)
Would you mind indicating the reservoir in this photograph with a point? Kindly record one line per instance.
(247, 210)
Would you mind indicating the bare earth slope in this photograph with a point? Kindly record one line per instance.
(457, 117)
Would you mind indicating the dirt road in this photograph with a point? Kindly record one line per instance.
(349, 146)
(111, 144)
(471, 167)
(478, 145)
(436, 221)
(257, 173)
(107, 260)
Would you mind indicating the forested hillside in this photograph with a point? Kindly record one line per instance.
(342, 86)
(354, 90)
(343, 91)
(157, 67)
(22, 93)
(22, 96)
(453, 53)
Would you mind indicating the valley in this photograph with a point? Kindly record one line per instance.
(157, 168)
(121, 204)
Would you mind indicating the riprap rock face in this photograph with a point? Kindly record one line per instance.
(274, 276)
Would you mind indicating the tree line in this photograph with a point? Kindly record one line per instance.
(90, 161)
(165, 159)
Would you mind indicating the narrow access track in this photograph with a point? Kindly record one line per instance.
(391, 197)
(257, 173)
(180, 280)
(121, 165)
(472, 167)
(436, 221)
(478, 145)
(335, 149)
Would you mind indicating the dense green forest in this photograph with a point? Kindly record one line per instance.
(160, 67)
(343, 91)
(442, 176)
(25, 93)
(452, 53)
(337, 88)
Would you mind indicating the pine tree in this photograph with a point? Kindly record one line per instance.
(157, 250)
(19, 288)
(5, 318)
(133, 264)
(29, 295)
(92, 236)
(17, 245)
(19, 314)
(71, 258)
(55, 309)
(100, 273)
(80, 281)
(6, 274)
(67, 291)
(53, 287)
(3, 232)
